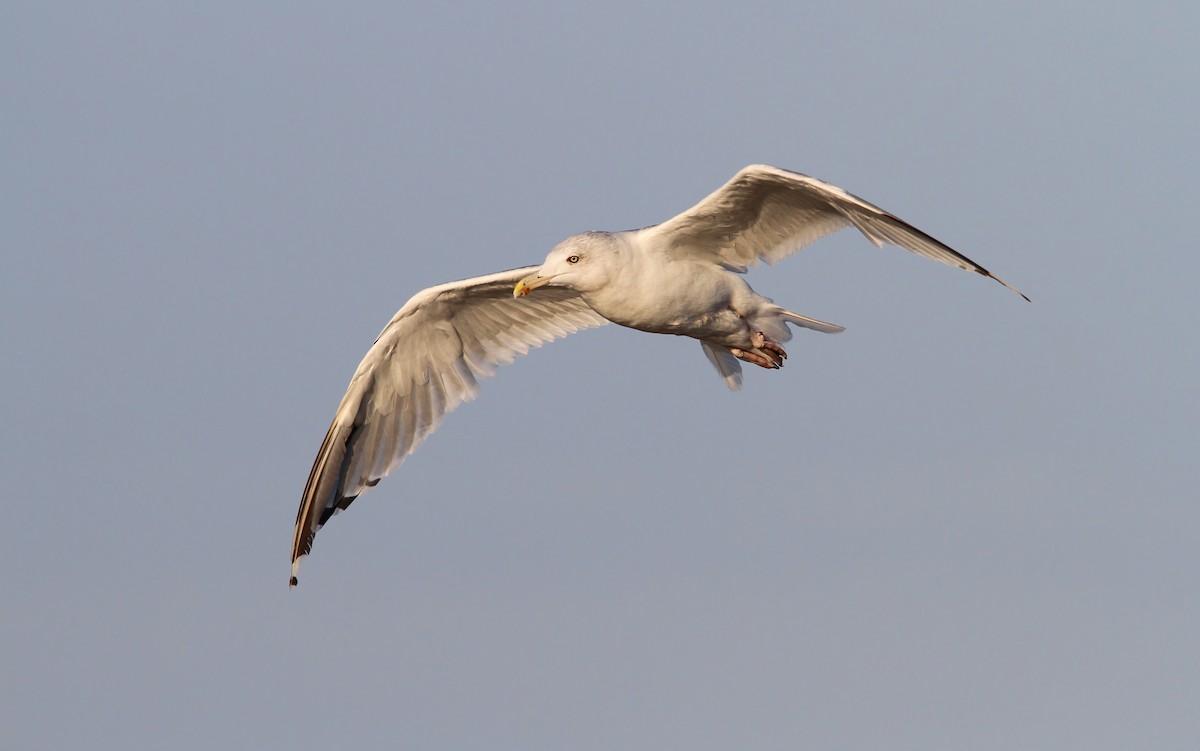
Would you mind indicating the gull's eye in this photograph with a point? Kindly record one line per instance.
(572, 259)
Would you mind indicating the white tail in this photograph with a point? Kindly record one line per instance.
(811, 323)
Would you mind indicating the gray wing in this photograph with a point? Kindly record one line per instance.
(427, 361)
(766, 214)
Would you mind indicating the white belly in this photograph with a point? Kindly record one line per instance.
(699, 301)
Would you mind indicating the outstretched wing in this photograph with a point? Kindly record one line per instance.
(427, 361)
(766, 214)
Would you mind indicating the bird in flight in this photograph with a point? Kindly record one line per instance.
(680, 277)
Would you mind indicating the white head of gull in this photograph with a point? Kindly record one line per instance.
(680, 277)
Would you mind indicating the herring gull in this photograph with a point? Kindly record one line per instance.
(680, 277)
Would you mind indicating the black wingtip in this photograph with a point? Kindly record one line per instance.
(293, 582)
(981, 270)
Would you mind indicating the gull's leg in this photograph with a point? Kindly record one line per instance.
(770, 348)
(753, 358)
(766, 353)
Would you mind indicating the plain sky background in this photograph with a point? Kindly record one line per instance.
(966, 523)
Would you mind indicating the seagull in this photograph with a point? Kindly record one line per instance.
(681, 277)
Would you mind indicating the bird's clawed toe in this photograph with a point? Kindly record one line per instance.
(753, 358)
(772, 349)
(766, 353)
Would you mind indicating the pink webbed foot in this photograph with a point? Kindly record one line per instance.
(766, 353)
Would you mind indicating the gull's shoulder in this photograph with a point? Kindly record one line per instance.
(495, 284)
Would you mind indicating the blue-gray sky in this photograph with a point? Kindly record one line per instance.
(967, 522)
